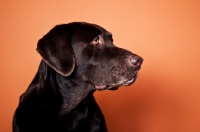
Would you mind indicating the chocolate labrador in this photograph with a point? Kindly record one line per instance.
(77, 59)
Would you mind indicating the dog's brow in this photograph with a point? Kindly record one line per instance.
(109, 36)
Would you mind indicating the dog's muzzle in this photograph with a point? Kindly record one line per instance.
(134, 61)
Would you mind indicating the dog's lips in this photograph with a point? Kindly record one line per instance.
(104, 87)
(115, 86)
(100, 87)
(131, 80)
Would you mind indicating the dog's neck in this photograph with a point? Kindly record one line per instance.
(72, 92)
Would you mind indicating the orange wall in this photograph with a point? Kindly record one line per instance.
(166, 97)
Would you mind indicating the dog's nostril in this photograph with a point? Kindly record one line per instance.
(136, 60)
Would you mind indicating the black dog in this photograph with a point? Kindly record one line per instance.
(77, 59)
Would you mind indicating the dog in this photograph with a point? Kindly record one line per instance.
(78, 58)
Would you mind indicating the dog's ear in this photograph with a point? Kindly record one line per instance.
(56, 50)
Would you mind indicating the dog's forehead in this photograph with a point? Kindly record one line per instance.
(89, 31)
(87, 26)
(80, 32)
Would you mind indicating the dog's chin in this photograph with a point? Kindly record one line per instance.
(115, 86)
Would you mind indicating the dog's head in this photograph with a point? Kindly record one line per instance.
(87, 51)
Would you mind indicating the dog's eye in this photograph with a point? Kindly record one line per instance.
(95, 41)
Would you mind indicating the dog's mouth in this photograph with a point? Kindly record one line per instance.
(124, 82)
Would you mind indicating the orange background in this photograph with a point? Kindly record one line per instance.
(165, 98)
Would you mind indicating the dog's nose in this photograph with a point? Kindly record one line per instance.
(136, 60)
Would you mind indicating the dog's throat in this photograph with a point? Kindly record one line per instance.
(78, 93)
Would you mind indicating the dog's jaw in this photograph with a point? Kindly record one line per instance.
(123, 82)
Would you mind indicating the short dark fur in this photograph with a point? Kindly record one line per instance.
(60, 97)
